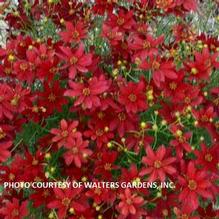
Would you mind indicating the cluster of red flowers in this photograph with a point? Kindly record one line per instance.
(92, 91)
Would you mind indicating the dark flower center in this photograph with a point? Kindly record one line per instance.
(73, 60)
(66, 201)
(75, 34)
(208, 157)
(192, 184)
(173, 86)
(120, 21)
(122, 116)
(155, 65)
(132, 97)
(157, 164)
(15, 213)
(108, 166)
(51, 97)
(86, 91)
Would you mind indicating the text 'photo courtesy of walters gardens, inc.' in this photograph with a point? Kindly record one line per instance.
(88, 185)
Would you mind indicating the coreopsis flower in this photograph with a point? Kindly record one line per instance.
(161, 69)
(207, 157)
(180, 142)
(124, 20)
(189, 5)
(99, 133)
(193, 184)
(25, 70)
(132, 96)
(158, 165)
(14, 210)
(51, 97)
(66, 133)
(6, 109)
(20, 98)
(105, 164)
(77, 152)
(113, 35)
(4, 150)
(129, 204)
(88, 94)
(74, 33)
(67, 201)
(122, 122)
(201, 67)
(144, 47)
(76, 61)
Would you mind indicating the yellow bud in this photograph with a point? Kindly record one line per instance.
(123, 140)
(115, 72)
(163, 122)
(179, 133)
(143, 125)
(106, 129)
(119, 62)
(195, 123)
(48, 156)
(30, 47)
(84, 179)
(62, 21)
(201, 138)
(51, 215)
(156, 112)
(11, 58)
(150, 97)
(52, 169)
(205, 93)
(177, 114)
(100, 216)
(109, 144)
(98, 208)
(155, 127)
(72, 211)
(159, 194)
(194, 71)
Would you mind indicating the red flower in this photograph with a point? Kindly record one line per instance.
(181, 141)
(77, 152)
(144, 47)
(193, 184)
(14, 210)
(67, 201)
(132, 96)
(202, 66)
(66, 133)
(129, 204)
(88, 94)
(105, 164)
(6, 109)
(207, 157)
(157, 164)
(189, 5)
(124, 20)
(77, 60)
(160, 69)
(4, 152)
(74, 33)
(19, 100)
(52, 97)
(122, 122)
(112, 34)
